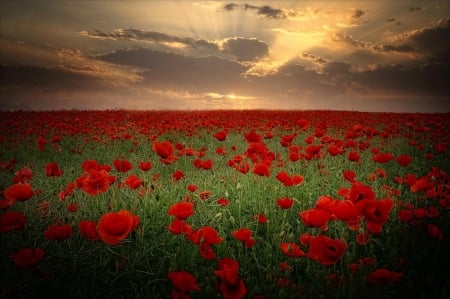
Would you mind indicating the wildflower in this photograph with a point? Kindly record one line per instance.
(11, 220)
(58, 232)
(244, 235)
(383, 276)
(52, 170)
(181, 210)
(285, 203)
(183, 281)
(114, 227)
(145, 166)
(291, 249)
(88, 229)
(122, 165)
(133, 181)
(325, 250)
(163, 149)
(20, 192)
(27, 257)
(315, 218)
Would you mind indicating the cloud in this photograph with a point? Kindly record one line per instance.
(151, 36)
(173, 71)
(357, 14)
(245, 49)
(431, 42)
(230, 6)
(302, 13)
(370, 46)
(427, 80)
(266, 11)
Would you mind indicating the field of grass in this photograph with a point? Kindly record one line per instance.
(224, 204)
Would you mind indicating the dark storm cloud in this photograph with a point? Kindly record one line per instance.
(172, 71)
(18, 77)
(350, 40)
(433, 42)
(264, 11)
(230, 6)
(357, 14)
(427, 80)
(245, 49)
(336, 68)
(150, 36)
(430, 43)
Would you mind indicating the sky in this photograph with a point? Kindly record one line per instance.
(389, 56)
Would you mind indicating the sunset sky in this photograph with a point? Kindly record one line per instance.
(339, 55)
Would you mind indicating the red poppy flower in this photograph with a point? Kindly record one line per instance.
(404, 160)
(261, 218)
(133, 181)
(405, 215)
(192, 187)
(334, 150)
(382, 157)
(163, 149)
(145, 165)
(315, 218)
(285, 203)
(87, 165)
(52, 170)
(88, 229)
(440, 147)
(228, 270)
(183, 281)
(96, 182)
(375, 212)
(114, 227)
(325, 250)
(206, 251)
(261, 169)
(178, 175)
(11, 220)
(383, 276)
(223, 202)
(291, 249)
(244, 235)
(122, 165)
(206, 164)
(27, 257)
(253, 137)
(345, 210)
(305, 238)
(435, 232)
(23, 175)
(235, 291)
(221, 135)
(349, 175)
(362, 238)
(58, 232)
(178, 227)
(19, 192)
(181, 210)
(288, 180)
(205, 234)
(353, 156)
(73, 207)
(359, 192)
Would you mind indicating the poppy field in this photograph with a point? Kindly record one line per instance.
(224, 204)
